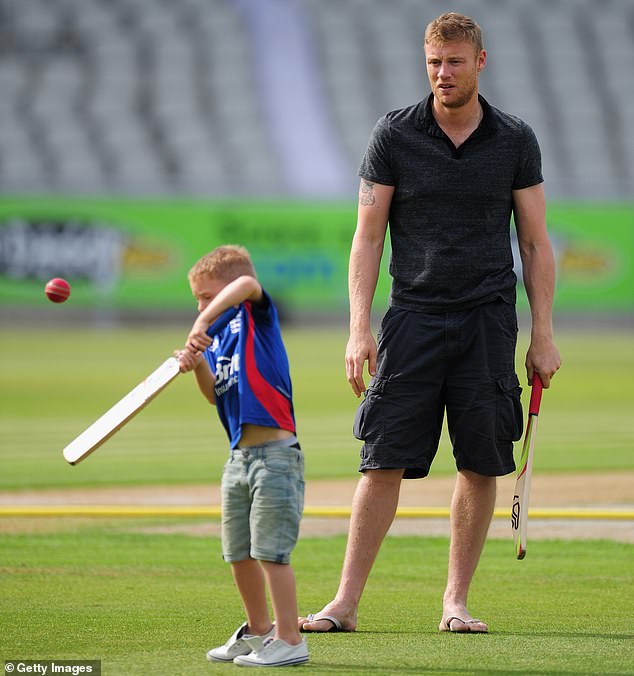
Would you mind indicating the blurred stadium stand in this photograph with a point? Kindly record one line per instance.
(276, 98)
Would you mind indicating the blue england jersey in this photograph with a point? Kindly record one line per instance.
(249, 361)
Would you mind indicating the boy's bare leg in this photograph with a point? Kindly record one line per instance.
(249, 579)
(281, 581)
(373, 509)
(471, 511)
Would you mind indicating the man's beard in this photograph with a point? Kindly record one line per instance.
(463, 98)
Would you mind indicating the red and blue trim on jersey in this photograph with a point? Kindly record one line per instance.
(249, 360)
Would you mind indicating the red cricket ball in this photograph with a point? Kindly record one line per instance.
(57, 290)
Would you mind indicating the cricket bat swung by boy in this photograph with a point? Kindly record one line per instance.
(133, 402)
(123, 411)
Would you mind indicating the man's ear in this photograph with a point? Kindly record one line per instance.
(482, 59)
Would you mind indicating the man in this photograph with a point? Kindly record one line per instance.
(446, 174)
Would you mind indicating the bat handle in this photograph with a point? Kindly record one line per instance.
(536, 395)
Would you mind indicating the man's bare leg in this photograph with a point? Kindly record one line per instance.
(373, 509)
(471, 511)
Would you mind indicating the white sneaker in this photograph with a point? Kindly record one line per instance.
(238, 644)
(275, 653)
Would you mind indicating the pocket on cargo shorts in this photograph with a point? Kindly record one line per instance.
(371, 411)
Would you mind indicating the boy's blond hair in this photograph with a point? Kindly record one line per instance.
(226, 263)
(454, 27)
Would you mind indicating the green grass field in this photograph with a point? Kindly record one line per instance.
(153, 604)
(55, 383)
(146, 602)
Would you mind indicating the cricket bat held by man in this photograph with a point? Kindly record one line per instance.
(519, 511)
(123, 411)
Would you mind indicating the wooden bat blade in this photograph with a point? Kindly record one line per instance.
(519, 511)
(123, 411)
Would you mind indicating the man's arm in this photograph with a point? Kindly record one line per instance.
(363, 273)
(538, 266)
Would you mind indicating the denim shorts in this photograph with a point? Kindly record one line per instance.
(459, 363)
(262, 501)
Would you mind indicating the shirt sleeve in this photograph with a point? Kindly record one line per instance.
(222, 321)
(376, 165)
(264, 311)
(529, 168)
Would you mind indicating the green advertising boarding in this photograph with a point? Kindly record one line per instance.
(135, 254)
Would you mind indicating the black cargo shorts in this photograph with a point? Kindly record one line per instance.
(461, 363)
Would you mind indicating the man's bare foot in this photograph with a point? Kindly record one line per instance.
(330, 619)
(459, 620)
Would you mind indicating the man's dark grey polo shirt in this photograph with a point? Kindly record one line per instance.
(450, 215)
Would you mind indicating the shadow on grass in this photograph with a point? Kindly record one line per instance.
(571, 635)
(576, 634)
(401, 669)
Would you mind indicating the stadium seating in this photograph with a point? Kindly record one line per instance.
(276, 98)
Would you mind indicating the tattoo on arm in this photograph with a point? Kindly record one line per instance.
(366, 194)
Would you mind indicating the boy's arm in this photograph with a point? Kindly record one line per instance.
(239, 290)
(205, 379)
(191, 358)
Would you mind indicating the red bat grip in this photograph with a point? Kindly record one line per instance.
(536, 395)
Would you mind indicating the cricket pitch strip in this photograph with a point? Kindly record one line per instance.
(582, 490)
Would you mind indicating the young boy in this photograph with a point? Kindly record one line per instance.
(236, 351)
